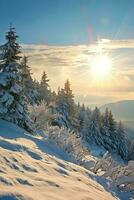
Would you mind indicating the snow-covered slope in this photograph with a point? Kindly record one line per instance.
(33, 168)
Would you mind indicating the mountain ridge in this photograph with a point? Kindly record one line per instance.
(122, 110)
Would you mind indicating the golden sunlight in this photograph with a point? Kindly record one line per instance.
(101, 66)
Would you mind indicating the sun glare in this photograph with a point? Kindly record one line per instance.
(101, 66)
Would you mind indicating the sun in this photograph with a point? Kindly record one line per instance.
(101, 66)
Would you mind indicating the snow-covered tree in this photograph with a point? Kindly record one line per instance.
(109, 131)
(130, 147)
(66, 106)
(85, 116)
(69, 100)
(122, 141)
(45, 93)
(30, 90)
(61, 102)
(53, 96)
(65, 101)
(41, 116)
(112, 122)
(80, 115)
(93, 133)
(69, 141)
(118, 174)
(13, 106)
(106, 118)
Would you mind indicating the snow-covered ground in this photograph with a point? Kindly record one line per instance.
(33, 168)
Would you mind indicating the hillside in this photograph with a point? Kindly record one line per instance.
(33, 168)
(124, 111)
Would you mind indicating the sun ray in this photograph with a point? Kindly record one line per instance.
(101, 66)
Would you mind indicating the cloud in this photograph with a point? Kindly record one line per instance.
(116, 44)
(73, 63)
(56, 59)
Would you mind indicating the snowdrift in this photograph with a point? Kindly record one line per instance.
(33, 168)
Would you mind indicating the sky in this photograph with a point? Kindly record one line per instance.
(62, 37)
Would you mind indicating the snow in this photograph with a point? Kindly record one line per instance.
(3, 78)
(7, 99)
(33, 168)
(3, 109)
(16, 89)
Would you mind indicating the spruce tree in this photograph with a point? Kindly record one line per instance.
(80, 114)
(45, 93)
(60, 109)
(122, 141)
(112, 122)
(85, 128)
(113, 131)
(65, 101)
(61, 102)
(66, 106)
(13, 106)
(69, 98)
(106, 118)
(95, 125)
(30, 90)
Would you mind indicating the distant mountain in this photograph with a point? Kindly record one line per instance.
(124, 111)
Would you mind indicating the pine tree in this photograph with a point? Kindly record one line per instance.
(69, 98)
(66, 106)
(130, 148)
(65, 101)
(93, 128)
(113, 131)
(106, 118)
(61, 102)
(45, 93)
(59, 110)
(85, 128)
(80, 114)
(122, 141)
(112, 122)
(13, 106)
(30, 90)
(53, 96)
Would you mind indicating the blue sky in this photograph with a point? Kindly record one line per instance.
(63, 37)
(64, 22)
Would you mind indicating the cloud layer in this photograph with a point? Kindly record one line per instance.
(73, 63)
